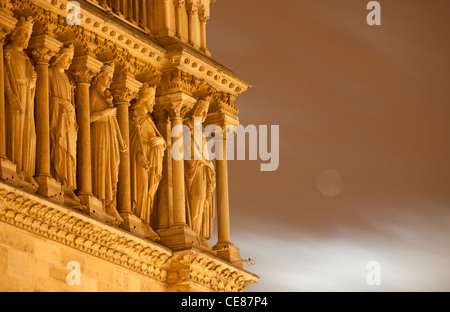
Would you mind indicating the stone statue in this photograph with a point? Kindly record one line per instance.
(200, 179)
(106, 141)
(147, 148)
(63, 125)
(20, 81)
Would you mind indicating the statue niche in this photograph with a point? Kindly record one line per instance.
(199, 177)
(147, 148)
(106, 141)
(20, 82)
(63, 125)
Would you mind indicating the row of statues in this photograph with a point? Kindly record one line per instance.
(146, 144)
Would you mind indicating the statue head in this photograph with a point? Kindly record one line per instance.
(64, 57)
(146, 99)
(22, 33)
(105, 76)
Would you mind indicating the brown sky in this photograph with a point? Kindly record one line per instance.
(370, 103)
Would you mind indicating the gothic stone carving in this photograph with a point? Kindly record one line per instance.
(147, 151)
(20, 79)
(106, 142)
(63, 124)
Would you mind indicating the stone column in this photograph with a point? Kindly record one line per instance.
(143, 13)
(193, 23)
(178, 7)
(223, 206)
(43, 48)
(82, 70)
(203, 20)
(167, 25)
(179, 235)
(8, 171)
(224, 248)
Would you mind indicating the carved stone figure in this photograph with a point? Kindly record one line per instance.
(147, 152)
(20, 80)
(106, 141)
(63, 125)
(200, 179)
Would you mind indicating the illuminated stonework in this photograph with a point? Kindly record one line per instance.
(88, 99)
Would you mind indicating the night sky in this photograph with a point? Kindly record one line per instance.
(364, 116)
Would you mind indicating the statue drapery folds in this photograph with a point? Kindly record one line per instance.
(200, 179)
(20, 82)
(146, 151)
(63, 125)
(106, 141)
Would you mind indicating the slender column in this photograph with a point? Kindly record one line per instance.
(223, 206)
(179, 199)
(224, 248)
(193, 18)
(203, 20)
(179, 235)
(180, 104)
(43, 48)
(82, 70)
(178, 7)
(2, 99)
(124, 89)
(124, 7)
(143, 13)
(167, 29)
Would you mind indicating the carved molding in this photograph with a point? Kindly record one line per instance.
(84, 68)
(125, 89)
(177, 105)
(175, 80)
(208, 271)
(42, 56)
(88, 235)
(226, 103)
(82, 233)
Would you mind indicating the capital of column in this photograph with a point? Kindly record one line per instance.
(203, 14)
(191, 7)
(7, 23)
(124, 89)
(176, 104)
(179, 3)
(42, 48)
(84, 68)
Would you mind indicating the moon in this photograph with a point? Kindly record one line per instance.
(329, 183)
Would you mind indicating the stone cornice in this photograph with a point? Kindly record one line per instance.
(213, 273)
(81, 232)
(202, 66)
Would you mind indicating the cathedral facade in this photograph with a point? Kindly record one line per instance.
(99, 103)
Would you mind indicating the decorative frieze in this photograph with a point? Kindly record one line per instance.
(71, 228)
